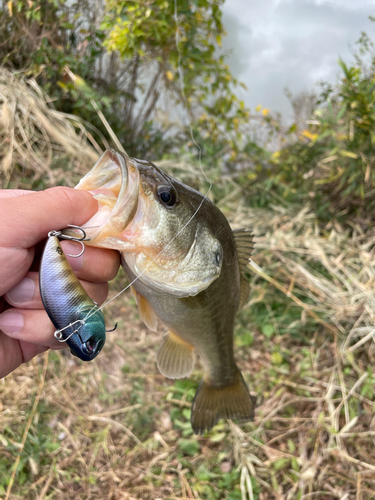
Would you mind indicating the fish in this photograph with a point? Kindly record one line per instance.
(187, 271)
(73, 313)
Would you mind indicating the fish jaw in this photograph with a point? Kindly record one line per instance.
(186, 276)
(114, 182)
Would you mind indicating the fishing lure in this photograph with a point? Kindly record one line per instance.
(74, 314)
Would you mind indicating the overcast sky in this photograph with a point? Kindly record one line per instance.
(291, 43)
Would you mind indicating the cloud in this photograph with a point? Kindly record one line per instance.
(294, 43)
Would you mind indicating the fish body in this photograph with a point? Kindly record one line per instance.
(68, 305)
(187, 269)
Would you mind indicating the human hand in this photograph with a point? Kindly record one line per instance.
(26, 217)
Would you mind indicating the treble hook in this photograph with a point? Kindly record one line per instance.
(61, 235)
(113, 329)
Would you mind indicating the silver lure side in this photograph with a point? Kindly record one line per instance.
(68, 306)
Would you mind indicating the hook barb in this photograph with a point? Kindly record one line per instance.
(81, 252)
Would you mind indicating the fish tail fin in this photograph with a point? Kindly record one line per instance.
(211, 403)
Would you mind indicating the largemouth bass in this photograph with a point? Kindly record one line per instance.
(190, 268)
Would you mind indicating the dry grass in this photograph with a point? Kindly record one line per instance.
(117, 429)
(35, 138)
(324, 447)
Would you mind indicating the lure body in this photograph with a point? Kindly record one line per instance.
(67, 304)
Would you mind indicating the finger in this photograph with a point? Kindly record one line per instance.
(29, 326)
(11, 193)
(95, 264)
(13, 353)
(26, 294)
(27, 219)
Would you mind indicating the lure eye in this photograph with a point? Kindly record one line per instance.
(167, 195)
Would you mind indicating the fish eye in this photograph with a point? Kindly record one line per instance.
(217, 257)
(167, 195)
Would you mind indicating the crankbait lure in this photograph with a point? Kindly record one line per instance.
(74, 314)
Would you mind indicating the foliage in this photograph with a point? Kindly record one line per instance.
(330, 164)
(176, 44)
(129, 62)
(136, 61)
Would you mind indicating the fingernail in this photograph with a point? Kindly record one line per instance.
(11, 322)
(74, 249)
(23, 291)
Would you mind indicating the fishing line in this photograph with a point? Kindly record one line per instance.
(182, 89)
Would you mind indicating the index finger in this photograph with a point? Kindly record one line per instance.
(27, 219)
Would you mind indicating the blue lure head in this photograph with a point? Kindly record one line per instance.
(89, 337)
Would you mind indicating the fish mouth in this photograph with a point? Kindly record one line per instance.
(114, 183)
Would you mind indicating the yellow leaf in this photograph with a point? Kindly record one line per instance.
(9, 5)
(341, 137)
(309, 135)
(275, 155)
(169, 75)
(258, 108)
(265, 112)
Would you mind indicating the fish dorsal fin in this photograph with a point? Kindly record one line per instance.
(244, 240)
(244, 292)
(175, 357)
(244, 244)
(146, 312)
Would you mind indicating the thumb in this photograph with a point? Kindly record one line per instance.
(27, 219)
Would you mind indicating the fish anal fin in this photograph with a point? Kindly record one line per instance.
(211, 403)
(175, 358)
(146, 313)
(244, 292)
(244, 243)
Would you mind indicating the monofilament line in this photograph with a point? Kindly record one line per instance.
(182, 88)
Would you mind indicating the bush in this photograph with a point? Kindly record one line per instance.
(330, 164)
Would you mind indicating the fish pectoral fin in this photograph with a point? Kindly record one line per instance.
(146, 312)
(134, 294)
(211, 403)
(175, 358)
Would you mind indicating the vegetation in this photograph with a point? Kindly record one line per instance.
(116, 428)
